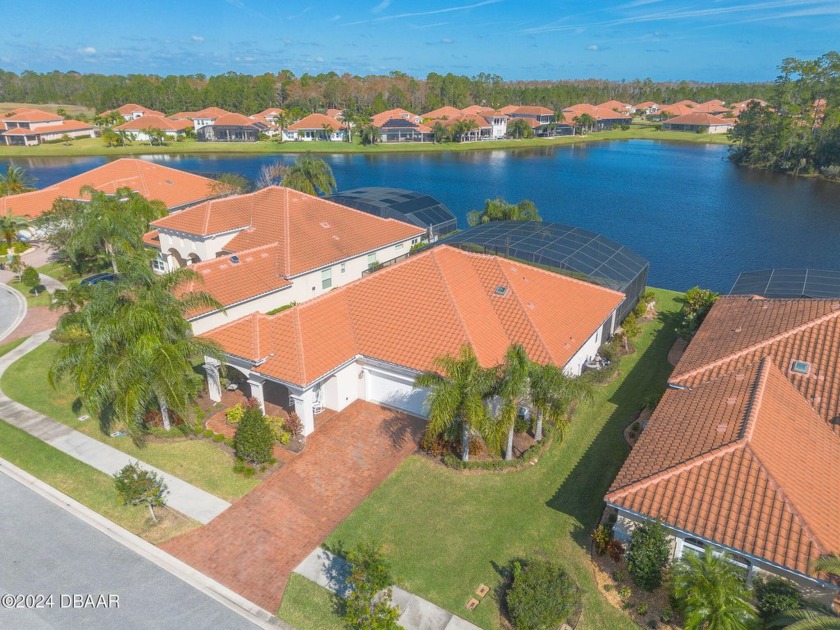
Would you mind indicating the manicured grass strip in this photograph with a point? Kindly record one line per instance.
(308, 606)
(446, 532)
(32, 300)
(86, 485)
(196, 461)
(95, 146)
(6, 348)
(58, 271)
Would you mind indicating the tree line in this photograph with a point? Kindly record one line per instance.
(798, 131)
(355, 94)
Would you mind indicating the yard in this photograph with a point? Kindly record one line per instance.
(446, 532)
(196, 461)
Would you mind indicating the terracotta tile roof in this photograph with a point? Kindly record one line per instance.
(527, 110)
(382, 117)
(613, 104)
(210, 112)
(476, 109)
(480, 121)
(332, 112)
(173, 187)
(699, 119)
(152, 239)
(596, 111)
(63, 126)
(442, 112)
(312, 232)
(686, 103)
(182, 116)
(155, 122)
(676, 109)
(271, 112)
(645, 105)
(255, 274)
(711, 107)
(235, 120)
(25, 114)
(453, 300)
(131, 108)
(742, 105)
(316, 121)
(744, 454)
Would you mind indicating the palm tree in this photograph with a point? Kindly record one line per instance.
(458, 390)
(10, 227)
(130, 347)
(15, 181)
(440, 132)
(585, 121)
(805, 619)
(310, 175)
(151, 134)
(519, 129)
(552, 394)
(500, 210)
(326, 131)
(828, 564)
(111, 138)
(714, 596)
(368, 134)
(72, 298)
(513, 390)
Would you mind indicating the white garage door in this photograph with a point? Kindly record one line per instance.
(395, 391)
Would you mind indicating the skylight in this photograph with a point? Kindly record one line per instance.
(501, 290)
(800, 367)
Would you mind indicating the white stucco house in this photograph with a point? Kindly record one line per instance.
(316, 127)
(274, 247)
(368, 340)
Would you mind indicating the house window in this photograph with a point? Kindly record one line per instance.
(398, 247)
(371, 259)
(693, 545)
(326, 278)
(158, 265)
(343, 267)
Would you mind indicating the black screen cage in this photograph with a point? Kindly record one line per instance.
(788, 283)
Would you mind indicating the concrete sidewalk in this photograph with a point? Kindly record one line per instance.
(331, 571)
(184, 497)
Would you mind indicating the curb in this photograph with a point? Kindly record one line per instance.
(222, 594)
(21, 311)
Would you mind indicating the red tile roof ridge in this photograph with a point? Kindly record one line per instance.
(755, 401)
(677, 377)
(299, 341)
(287, 230)
(451, 297)
(524, 309)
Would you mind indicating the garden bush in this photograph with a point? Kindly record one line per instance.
(219, 437)
(278, 428)
(542, 595)
(208, 433)
(601, 538)
(254, 438)
(138, 486)
(648, 554)
(775, 596)
(30, 277)
(234, 414)
(615, 550)
(293, 425)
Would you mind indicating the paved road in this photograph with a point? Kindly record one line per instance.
(12, 310)
(46, 550)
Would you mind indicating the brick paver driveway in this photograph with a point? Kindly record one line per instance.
(254, 545)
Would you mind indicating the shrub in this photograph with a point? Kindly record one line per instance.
(218, 437)
(368, 603)
(625, 127)
(648, 296)
(601, 538)
(208, 433)
(775, 596)
(697, 304)
(542, 595)
(229, 442)
(278, 428)
(615, 550)
(254, 439)
(243, 469)
(476, 447)
(625, 593)
(631, 326)
(642, 608)
(30, 277)
(435, 446)
(293, 425)
(648, 554)
(138, 486)
(640, 309)
(234, 414)
(666, 615)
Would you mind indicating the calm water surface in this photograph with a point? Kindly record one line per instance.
(696, 217)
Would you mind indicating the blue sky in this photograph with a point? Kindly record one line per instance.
(706, 40)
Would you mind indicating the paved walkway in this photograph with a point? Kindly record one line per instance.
(255, 545)
(331, 571)
(184, 497)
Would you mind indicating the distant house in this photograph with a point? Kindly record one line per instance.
(332, 112)
(699, 123)
(29, 127)
(540, 119)
(647, 108)
(316, 127)
(715, 107)
(231, 128)
(137, 128)
(670, 111)
(742, 454)
(175, 188)
(404, 130)
(273, 247)
(605, 118)
(442, 113)
(616, 106)
(132, 111)
(740, 106)
(201, 118)
(398, 112)
(269, 118)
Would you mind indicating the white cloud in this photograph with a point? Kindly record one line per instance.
(334, 18)
(197, 38)
(87, 50)
(319, 59)
(593, 47)
(381, 6)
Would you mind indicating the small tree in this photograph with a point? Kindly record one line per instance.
(254, 439)
(31, 278)
(775, 596)
(542, 595)
(648, 555)
(697, 304)
(138, 486)
(369, 600)
(17, 266)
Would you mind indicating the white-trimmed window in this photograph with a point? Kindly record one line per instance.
(696, 546)
(398, 247)
(326, 278)
(343, 267)
(158, 265)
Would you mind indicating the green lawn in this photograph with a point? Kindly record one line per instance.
(6, 348)
(95, 146)
(58, 271)
(308, 606)
(197, 461)
(41, 299)
(446, 532)
(86, 485)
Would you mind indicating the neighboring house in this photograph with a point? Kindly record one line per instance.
(647, 108)
(482, 128)
(442, 113)
(497, 120)
(540, 119)
(269, 115)
(699, 123)
(617, 106)
(670, 111)
(390, 114)
(231, 128)
(137, 128)
(273, 247)
(316, 127)
(131, 111)
(742, 453)
(605, 118)
(175, 188)
(370, 339)
(201, 118)
(404, 130)
(28, 127)
(737, 108)
(332, 112)
(715, 107)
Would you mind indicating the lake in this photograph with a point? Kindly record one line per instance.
(699, 219)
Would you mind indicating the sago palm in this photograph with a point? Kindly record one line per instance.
(552, 395)
(513, 390)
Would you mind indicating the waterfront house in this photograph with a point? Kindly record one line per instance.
(671, 111)
(201, 118)
(316, 127)
(138, 128)
(400, 125)
(616, 106)
(25, 126)
(604, 118)
(714, 107)
(442, 113)
(132, 111)
(699, 123)
(369, 340)
(232, 128)
(175, 188)
(274, 247)
(742, 451)
(646, 108)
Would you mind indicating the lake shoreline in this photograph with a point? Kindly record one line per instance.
(94, 147)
